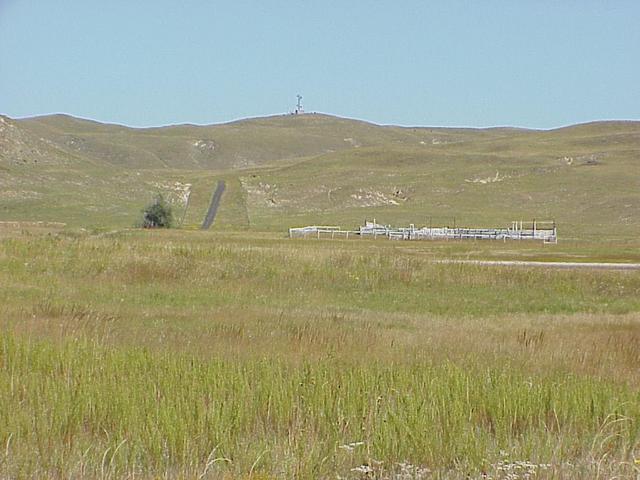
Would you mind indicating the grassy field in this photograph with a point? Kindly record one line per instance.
(224, 355)
(238, 353)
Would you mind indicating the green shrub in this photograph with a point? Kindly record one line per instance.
(157, 214)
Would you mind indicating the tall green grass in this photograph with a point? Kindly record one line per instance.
(218, 356)
(80, 409)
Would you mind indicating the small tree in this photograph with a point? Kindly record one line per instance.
(157, 214)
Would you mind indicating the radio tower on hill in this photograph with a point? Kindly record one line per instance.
(299, 108)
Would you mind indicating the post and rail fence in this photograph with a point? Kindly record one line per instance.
(544, 231)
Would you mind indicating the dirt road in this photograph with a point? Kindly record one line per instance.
(569, 265)
(213, 207)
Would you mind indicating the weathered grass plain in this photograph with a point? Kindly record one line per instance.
(221, 355)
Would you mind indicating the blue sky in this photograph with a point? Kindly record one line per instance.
(534, 63)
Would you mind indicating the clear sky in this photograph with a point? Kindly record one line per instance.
(530, 63)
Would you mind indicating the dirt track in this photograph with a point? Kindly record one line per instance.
(213, 207)
(568, 265)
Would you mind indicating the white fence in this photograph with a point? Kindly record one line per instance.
(542, 231)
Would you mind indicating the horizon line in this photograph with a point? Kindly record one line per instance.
(286, 114)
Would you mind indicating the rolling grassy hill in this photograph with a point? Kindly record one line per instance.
(295, 170)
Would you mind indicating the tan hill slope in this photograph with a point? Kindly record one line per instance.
(293, 170)
(235, 145)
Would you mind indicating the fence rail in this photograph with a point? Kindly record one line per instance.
(542, 231)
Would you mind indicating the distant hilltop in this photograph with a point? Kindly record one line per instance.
(286, 170)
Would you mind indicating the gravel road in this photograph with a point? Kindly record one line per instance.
(570, 265)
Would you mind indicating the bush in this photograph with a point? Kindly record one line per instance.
(157, 214)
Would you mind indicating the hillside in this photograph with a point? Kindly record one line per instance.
(295, 170)
(236, 145)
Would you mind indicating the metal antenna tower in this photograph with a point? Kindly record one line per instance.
(299, 108)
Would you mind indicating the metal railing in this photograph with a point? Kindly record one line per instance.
(542, 231)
